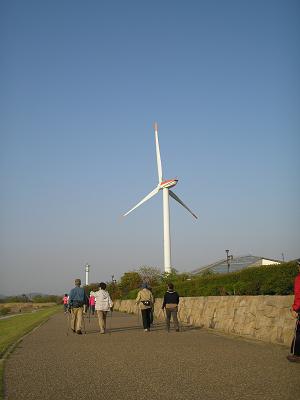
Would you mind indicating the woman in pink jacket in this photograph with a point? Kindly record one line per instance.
(92, 303)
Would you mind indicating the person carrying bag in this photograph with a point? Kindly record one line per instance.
(170, 304)
(145, 301)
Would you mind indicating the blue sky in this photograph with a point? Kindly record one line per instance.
(82, 83)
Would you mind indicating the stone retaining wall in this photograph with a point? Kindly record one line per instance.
(261, 317)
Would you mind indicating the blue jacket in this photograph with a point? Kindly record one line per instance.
(77, 297)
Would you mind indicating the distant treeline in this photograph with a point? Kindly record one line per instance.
(35, 299)
(265, 280)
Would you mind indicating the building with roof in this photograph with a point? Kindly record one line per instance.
(235, 264)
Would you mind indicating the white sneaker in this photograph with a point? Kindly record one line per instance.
(145, 330)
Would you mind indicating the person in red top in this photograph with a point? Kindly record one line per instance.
(66, 302)
(295, 311)
(92, 303)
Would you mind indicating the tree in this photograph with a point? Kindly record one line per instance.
(92, 287)
(129, 281)
(150, 275)
(114, 290)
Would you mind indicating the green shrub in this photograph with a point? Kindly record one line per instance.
(4, 310)
(132, 294)
(264, 280)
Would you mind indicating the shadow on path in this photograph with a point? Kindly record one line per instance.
(156, 327)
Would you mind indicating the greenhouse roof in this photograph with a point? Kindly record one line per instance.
(236, 264)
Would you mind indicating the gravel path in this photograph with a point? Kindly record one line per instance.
(132, 364)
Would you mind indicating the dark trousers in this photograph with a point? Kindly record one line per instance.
(295, 347)
(151, 315)
(172, 312)
(146, 318)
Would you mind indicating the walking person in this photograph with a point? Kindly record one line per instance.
(77, 299)
(66, 302)
(295, 311)
(170, 304)
(152, 308)
(103, 304)
(145, 301)
(92, 303)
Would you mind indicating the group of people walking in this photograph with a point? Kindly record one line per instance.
(145, 301)
(101, 302)
(98, 301)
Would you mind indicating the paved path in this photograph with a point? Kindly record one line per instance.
(132, 364)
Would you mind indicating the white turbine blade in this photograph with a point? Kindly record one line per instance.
(172, 194)
(151, 194)
(158, 159)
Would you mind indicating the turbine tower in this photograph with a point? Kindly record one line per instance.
(165, 186)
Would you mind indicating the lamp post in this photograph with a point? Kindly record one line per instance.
(87, 270)
(229, 258)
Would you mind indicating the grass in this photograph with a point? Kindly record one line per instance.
(12, 329)
(11, 308)
(1, 377)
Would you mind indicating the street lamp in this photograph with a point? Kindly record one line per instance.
(229, 258)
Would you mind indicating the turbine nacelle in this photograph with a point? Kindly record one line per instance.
(168, 184)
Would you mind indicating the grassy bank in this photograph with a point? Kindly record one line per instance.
(13, 328)
(16, 308)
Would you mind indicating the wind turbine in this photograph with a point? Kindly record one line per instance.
(165, 186)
